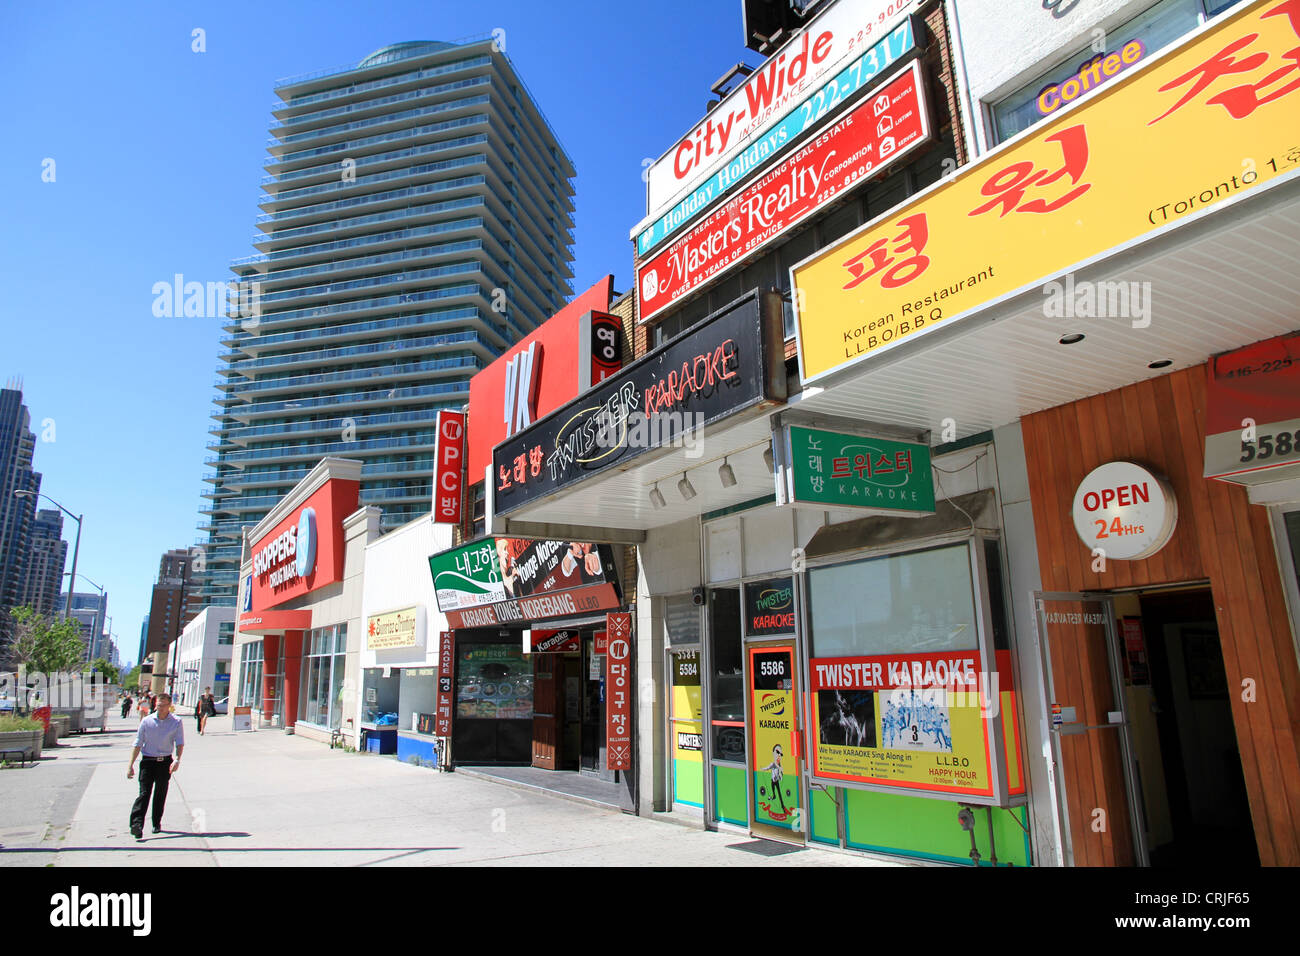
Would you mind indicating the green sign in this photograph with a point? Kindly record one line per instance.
(468, 576)
(849, 471)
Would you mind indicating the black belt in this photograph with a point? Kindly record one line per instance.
(159, 759)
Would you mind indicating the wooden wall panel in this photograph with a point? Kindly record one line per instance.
(1221, 537)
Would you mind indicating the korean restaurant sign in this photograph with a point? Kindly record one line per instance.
(394, 629)
(510, 580)
(618, 692)
(449, 467)
(1149, 150)
(861, 74)
(446, 689)
(729, 363)
(887, 125)
(1252, 410)
(831, 469)
(778, 87)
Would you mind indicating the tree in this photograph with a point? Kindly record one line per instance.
(132, 680)
(111, 674)
(44, 644)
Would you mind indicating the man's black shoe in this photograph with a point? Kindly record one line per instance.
(157, 829)
(138, 834)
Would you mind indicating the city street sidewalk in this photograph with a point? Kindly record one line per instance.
(271, 799)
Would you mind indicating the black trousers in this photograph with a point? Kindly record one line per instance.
(155, 777)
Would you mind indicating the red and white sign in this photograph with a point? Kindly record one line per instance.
(600, 642)
(448, 467)
(555, 642)
(887, 125)
(305, 551)
(538, 607)
(603, 336)
(618, 692)
(561, 339)
(1125, 510)
(446, 663)
(1252, 410)
(846, 29)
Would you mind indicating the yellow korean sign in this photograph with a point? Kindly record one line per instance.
(1193, 129)
(394, 629)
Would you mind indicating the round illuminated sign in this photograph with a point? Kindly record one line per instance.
(306, 555)
(1125, 510)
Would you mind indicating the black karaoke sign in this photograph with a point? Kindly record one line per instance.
(722, 366)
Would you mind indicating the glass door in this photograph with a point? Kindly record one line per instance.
(776, 783)
(1096, 783)
(686, 728)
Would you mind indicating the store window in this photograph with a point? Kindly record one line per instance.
(1132, 43)
(682, 619)
(320, 701)
(250, 674)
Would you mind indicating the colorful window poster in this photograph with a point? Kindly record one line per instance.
(773, 724)
(914, 721)
(687, 730)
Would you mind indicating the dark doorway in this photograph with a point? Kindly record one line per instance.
(1201, 815)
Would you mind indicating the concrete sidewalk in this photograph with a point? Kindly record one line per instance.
(271, 799)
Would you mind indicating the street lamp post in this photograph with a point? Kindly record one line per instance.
(76, 548)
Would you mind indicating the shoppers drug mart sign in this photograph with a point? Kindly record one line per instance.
(845, 30)
(859, 75)
(884, 128)
(1125, 510)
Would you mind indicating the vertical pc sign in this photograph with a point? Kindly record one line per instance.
(446, 662)
(618, 692)
(449, 467)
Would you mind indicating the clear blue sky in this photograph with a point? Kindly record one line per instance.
(158, 152)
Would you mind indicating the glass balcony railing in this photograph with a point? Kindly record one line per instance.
(384, 258)
(442, 317)
(420, 344)
(334, 424)
(370, 282)
(355, 88)
(377, 302)
(424, 492)
(373, 159)
(382, 102)
(352, 375)
(422, 440)
(414, 232)
(445, 389)
(388, 215)
(408, 192)
(365, 182)
(350, 146)
(387, 119)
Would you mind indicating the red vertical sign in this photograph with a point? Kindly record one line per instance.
(618, 692)
(446, 661)
(448, 467)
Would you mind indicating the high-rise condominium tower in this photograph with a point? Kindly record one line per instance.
(417, 222)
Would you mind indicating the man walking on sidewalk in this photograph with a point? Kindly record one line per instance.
(158, 734)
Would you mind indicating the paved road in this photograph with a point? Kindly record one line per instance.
(268, 799)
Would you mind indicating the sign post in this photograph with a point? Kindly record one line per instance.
(618, 694)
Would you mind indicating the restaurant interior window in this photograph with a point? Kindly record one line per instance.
(727, 680)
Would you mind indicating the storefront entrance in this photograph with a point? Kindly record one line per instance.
(1147, 766)
(569, 708)
(776, 785)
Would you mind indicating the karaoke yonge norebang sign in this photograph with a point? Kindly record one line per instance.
(724, 366)
(886, 126)
(848, 83)
(779, 86)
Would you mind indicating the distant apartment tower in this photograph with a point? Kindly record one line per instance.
(417, 222)
(46, 556)
(90, 611)
(167, 608)
(17, 514)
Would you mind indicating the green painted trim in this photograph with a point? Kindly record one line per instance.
(743, 506)
(726, 798)
(983, 438)
(831, 836)
(688, 783)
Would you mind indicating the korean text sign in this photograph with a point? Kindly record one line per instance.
(1179, 134)
(618, 692)
(449, 472)
(834, 469)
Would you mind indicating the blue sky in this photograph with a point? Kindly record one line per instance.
(157, 153)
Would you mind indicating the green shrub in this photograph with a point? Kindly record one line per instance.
(19, 723)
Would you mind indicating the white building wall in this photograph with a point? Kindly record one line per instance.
(194, 660)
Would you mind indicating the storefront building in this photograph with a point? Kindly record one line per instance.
(1109, 290)
(299, 629)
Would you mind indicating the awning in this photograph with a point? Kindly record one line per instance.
(274, 622)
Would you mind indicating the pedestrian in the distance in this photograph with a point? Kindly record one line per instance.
(157, 735)
(126, 705)
(207, 708)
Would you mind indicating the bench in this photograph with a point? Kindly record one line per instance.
(23, 756)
